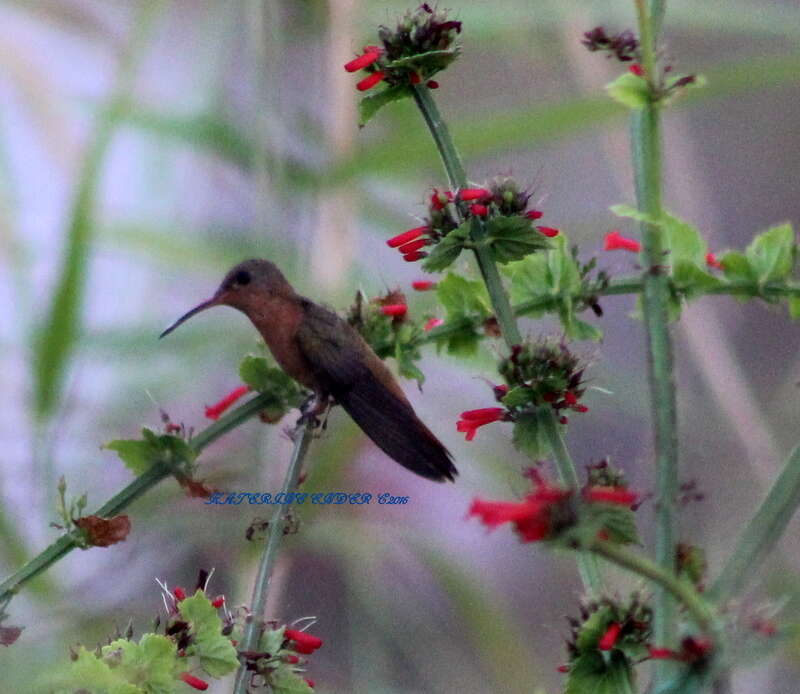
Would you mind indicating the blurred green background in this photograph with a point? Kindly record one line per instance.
(147, 146)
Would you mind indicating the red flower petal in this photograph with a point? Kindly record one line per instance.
(179, 593)
(303, 642)
(439, 200)
(711, 261)
(479, 210)
(362, 61)
(550, 232)
(609, 639)
(534, 214)
(414, 255)
(636, 69)
(433, 323)
(423, 285)
(214, 411)
(218, 602)
(394, 310)
(370, 81)
(310, 683)
(485, 414)
(662, 654)
(412, 246)
(406, 236)
(611, 495)
(467, 194)
(193, 681)
(615, 241)
(433, 84)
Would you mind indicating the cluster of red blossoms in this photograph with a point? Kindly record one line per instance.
(421, 44)
(615, 241)
(501, 197)
(547, 510)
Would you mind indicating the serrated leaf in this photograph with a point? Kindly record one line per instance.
(271, 640)
(576, 329)
(284, 681)
(152, 663)
(462, 298)
(371, 104)
(529, 279)
(629, 90)
(589, 672)
(529, 437)
(215, 651)
(772, 253)
(141, 455)
(93, 675)
(513, 238)
(445, 252)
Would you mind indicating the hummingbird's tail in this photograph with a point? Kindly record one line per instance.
(395, 428)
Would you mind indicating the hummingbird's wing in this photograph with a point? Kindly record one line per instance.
(346, 367)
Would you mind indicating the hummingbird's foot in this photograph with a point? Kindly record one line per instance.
(310, 410)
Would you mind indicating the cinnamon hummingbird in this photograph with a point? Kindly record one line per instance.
(325, 353)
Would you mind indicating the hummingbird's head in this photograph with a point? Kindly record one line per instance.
(247, 286)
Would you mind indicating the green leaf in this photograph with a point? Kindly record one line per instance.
(772, 253)
(530, 279)
(94, 675)
(436, 60)
(271, 641)
(513, 238)
(262, 376)
(445, 252)
(737, 267)
(632, 213)
(141, 455)
(216, 652)
(462, 298)
(518, 397)
(629, 90)
(152, 663)
(683, 241)
(691, 281)
(590, 672)
(794, 306)
(284, 681)
(371, 104)
(529, 436)
(576, 329)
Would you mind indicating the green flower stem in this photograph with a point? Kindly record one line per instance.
(254, 628)
(701, 610)
(458, 179)
(646, 152)
(142, 484)
(762, 533)
(587, 564)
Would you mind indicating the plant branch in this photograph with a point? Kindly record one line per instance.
(587, 564)
(646, 153)
(762, 533)
(142, 484)
(255, 623)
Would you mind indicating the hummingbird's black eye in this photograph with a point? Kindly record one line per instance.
(242, 277)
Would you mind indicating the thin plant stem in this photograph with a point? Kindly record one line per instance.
(587, 564)
(255, 624)
(647, 165)
(142, 484)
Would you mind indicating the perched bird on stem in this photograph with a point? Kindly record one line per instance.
(323, 352)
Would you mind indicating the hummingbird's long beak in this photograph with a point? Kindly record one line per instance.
(213, 301)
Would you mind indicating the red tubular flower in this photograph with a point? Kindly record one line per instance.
(365, 60)
(423, 285)
(406, 236)
(620, 496)
(310, 683)
(636, 69)
(218, 602)
(550, 232)
(433, 84)
(214, 411)
(433, 323)
(570, 398)
(479, 210)
(370, 81)
(194, 682)
(563, 668)
(415, 78)
(534, 214)
(412, 246)
(662, 654)
(615, 241)
(467, 194)
(531, 516)
(414, 255)
(580, 408)
(711, 261)
(179, 593)
(609, 639)
(394, 310)
(472, 420)
(302, 641)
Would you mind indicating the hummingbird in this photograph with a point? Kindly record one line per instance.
(324, 353)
